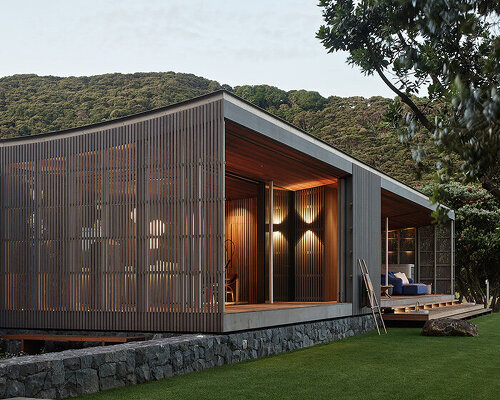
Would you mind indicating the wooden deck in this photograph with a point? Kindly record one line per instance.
(409, 301)
(421, 312)
(238, 308)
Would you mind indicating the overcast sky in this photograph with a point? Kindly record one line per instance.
(235, 42)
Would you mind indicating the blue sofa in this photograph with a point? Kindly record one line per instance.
(412, 289)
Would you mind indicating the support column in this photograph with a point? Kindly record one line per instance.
(261, 244)
(452, 257)
(271, 280)
(435, 260)
(386, 251)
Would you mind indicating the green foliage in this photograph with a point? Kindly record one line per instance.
(450, 47)
(263, 96)
(31, 104)
(477, 252)
(307, 100)
(356, 125)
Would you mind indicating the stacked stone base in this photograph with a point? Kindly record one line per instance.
(75, 372)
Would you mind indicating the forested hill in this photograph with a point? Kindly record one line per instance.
(31, 104)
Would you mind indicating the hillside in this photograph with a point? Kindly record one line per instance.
(31, 104)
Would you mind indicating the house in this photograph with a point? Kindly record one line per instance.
(210, 215)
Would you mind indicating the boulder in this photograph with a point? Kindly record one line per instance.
(449, 327)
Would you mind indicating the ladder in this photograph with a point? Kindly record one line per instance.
(372, 297)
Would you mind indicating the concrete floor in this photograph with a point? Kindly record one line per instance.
(239, 317)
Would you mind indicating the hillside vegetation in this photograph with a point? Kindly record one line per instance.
(31, 104)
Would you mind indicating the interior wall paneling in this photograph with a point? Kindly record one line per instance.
(281, 245)
(241, 229)
(309, 247)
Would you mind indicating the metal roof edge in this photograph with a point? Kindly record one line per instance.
(391, 184)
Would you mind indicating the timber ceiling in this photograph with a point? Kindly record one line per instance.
(403, 213)
(240, 189)
(254, 156)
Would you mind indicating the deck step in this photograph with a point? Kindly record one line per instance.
(450, 311)
(472, 314)
(455, 311)
(425, 306)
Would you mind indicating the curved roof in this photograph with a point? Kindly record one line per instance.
(253, 117)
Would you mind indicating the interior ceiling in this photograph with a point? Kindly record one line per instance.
(252, 155)
(403, 213)
(240, 189)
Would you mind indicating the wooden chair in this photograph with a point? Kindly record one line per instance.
(231, 279)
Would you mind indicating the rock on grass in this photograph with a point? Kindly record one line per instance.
(449, 327)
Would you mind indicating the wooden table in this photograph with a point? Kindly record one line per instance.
(384, 290)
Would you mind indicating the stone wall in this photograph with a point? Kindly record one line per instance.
(75, 372)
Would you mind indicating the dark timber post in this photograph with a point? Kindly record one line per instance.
(291, 247)
(261, 243)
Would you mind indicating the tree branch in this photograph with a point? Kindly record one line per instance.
(404, 97)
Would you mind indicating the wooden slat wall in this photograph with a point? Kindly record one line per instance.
(118, 229)
(282, 240)
(309, 248)
(241, 228)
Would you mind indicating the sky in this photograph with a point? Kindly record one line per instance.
(234, 42)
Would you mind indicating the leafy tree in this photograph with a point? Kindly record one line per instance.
(307, 100)
(264, 96)
(31, 104)
(477, 251)
(450, 47)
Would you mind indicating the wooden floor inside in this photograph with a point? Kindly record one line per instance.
(237, 308)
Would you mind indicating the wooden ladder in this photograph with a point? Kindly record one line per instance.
(372, 297)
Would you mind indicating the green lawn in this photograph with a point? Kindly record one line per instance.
(400, 365)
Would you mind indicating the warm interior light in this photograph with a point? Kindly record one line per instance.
(277, 220)
(309, 235)
(156, 228)
(308, 213)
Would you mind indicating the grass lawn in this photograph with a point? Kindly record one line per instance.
(400, 365)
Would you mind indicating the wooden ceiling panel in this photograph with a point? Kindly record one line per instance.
(254, 156)
(403, 213)
(239, 189)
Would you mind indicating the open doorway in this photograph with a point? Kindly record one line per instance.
(285, 254)
(241, 244)
(304, 243)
